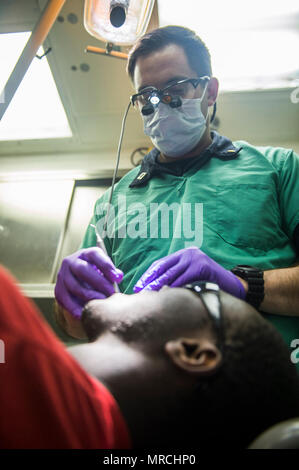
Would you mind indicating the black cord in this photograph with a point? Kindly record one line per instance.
(142, 151)
(116, 166)
(214, 112)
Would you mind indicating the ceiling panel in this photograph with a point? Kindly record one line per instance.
(96, 93)
(16, 15)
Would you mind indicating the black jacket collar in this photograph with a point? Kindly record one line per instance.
(221, 147)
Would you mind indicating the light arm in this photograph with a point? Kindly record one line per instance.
(281, 291)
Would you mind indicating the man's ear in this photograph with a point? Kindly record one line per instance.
(212, 90)
(194, 355)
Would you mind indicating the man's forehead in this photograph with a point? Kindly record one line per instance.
(161, 67)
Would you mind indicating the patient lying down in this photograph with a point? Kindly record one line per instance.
(160, 369)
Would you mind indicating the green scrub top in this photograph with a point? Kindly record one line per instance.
(238, 211)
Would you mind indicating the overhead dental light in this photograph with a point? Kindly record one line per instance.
(118, 12)
(119, 22)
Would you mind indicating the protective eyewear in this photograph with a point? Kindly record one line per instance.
(209, 295)
(150, 97)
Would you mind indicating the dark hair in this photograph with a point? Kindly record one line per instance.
(256, 387)
(195, 49)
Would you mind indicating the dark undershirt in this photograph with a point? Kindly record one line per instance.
(179, 167)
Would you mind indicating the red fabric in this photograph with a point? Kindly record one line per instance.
(46, 399)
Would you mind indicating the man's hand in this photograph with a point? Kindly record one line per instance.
(189, 265)
(85, 275)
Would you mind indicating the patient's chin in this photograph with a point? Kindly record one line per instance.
(93, 319)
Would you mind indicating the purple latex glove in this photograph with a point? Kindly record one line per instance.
(85, 275)
(189, 265)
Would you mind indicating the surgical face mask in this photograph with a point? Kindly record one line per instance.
(176, 131)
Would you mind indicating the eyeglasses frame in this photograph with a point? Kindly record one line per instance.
(161, 92)
(200, 288)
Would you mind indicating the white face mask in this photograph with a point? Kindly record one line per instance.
(176, 131)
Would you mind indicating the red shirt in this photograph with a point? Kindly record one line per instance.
(46, 399)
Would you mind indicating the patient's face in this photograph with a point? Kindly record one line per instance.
(146, 317)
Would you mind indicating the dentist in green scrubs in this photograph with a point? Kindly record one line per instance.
(199, 207)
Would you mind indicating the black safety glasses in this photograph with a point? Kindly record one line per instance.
(209, 294)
